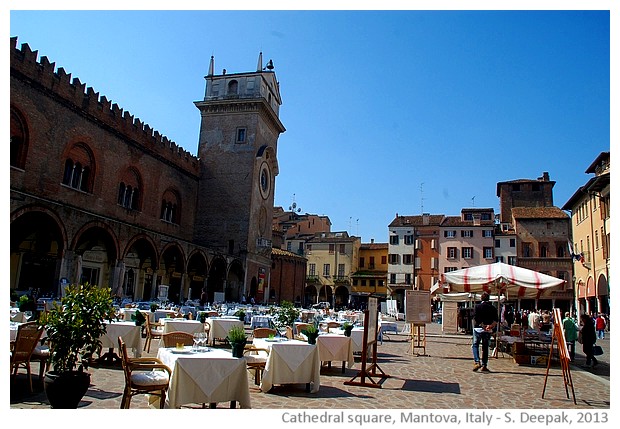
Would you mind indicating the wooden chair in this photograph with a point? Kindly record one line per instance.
(27, 339)
(332, 325)
(171, 339)
(152, 333)
(289, 333)
(263, 332)
(301, 327)
(256, 359)
(143, 376)
(42, 353)
(207, 328)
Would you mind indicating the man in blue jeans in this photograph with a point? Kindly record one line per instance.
(485, 321)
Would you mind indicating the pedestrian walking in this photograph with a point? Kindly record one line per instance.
(570, 333)
(601, 324)
(485, 321)
(588, 339)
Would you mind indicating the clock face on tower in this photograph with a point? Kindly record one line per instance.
(265, 180)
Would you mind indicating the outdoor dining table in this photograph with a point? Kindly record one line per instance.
(260, 322)
(183, 325)
(204, 377)
(220, 327)
(335, 347)
(128, 331)
(160, 313)
(357, 339)
(290, 362)
(128, 313)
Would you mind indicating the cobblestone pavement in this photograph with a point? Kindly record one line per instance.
(440, 379)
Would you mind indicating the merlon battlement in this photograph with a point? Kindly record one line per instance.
(59, 83)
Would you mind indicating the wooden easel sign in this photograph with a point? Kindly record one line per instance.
(559, 339)
(417, 314)
(366, 374)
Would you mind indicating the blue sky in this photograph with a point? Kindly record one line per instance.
(386, 111)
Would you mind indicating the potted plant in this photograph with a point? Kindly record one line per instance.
(138, 317)
(74, 328)
(237, 339)
(26, 303)
(154, 307)
(240, 314)
(347, 328)
(285, 315)
(311, 332)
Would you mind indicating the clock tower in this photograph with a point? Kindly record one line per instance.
(237, 149)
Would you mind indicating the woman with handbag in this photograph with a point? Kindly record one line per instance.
(588, 339)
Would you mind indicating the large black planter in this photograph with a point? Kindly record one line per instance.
(312, 336)
(237, 349)
(66, 389)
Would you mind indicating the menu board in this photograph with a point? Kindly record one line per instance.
(372, 321)
(418, 306)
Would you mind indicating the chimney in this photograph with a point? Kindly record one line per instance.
(372, 241)
(426, 218)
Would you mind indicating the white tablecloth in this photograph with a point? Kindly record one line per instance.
(183, 325)
(290, 362)
(388, 326)
(206, 377)
(18, 316)
(129, 312)
(357, 339)
(161, 313)
(128, 331)
(260, 322)
(333, 347)
(221, 326)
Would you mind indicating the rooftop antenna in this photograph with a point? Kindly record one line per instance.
(293, 207)
(422, 197)
(473, 202)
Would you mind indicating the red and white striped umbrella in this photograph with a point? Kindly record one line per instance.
(499, 278)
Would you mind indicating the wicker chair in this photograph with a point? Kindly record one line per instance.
(207, 328)
(27, 339)
(171, 339)
(332, 325)
(143, 376)
(263, 332)
(289, 333)
(152, 333)
(256, 359)
(42, 354)
(301, 327)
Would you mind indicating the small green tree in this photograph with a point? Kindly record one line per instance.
(75, 326)
(285, 315)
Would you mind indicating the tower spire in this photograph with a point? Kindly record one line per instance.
(259, 66)
(211, 66)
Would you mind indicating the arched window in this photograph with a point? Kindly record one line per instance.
(19, 140)
(170, 209)
(129, 195)
(121, 194)
(233, 87)
(78, 168)
(561, 251)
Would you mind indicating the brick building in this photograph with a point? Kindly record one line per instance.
(97, 195)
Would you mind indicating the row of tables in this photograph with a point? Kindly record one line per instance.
(211, 375)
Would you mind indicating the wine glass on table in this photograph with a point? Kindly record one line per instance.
(196, 341)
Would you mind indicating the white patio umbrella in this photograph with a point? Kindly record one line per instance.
(500, 279)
